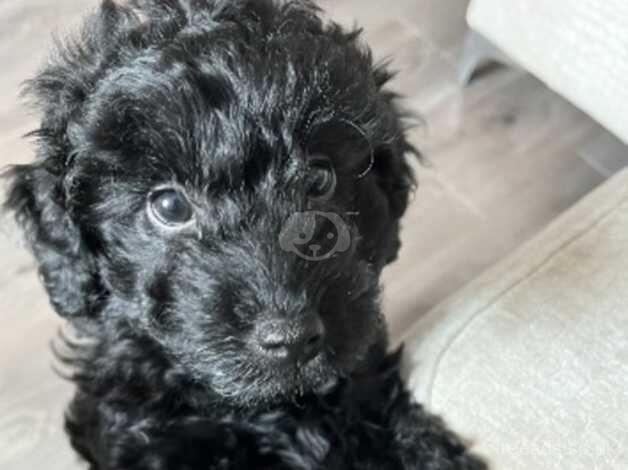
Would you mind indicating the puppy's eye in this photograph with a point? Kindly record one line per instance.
(321, 179)
(170, 207)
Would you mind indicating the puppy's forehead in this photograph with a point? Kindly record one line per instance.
(196, 120)
(206, 103)
(186, 118)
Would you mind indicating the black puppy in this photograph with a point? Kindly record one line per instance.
(218, 187)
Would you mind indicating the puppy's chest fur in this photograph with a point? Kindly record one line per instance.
(352, 427)
(360, 424)
(347, 429)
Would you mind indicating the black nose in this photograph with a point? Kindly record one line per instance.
(296, 340)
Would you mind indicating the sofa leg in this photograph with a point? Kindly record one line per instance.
(605, 153)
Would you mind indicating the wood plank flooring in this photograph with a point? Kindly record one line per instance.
(502, 163)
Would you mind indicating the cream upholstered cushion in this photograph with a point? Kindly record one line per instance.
(530, 361)
(578, 47)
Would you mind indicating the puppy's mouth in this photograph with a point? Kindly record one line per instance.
(273, 384)
(317, 376)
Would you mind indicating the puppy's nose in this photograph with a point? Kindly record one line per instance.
(291, 340)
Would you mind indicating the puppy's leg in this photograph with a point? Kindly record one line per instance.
(418, 439)
(81, 425)
(423, 441)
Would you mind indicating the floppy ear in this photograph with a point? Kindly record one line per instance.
(68, 272)
(395, 175)
(38, 193)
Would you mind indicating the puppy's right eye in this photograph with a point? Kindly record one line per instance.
(169, 206)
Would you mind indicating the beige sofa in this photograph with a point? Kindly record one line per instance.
(530, 361)
(577, 47)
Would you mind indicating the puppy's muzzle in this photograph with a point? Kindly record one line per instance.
(290, 341)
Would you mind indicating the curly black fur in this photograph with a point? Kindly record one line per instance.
(227, 101)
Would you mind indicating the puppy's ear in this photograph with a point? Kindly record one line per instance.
(38, 193)
(395, 175)
(36, 197)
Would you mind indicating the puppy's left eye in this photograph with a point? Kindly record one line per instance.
(321, 179)
(170, 207)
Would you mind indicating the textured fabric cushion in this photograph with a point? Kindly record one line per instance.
(578, 47)
(530, 361)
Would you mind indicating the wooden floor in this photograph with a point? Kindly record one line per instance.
(502, 159)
